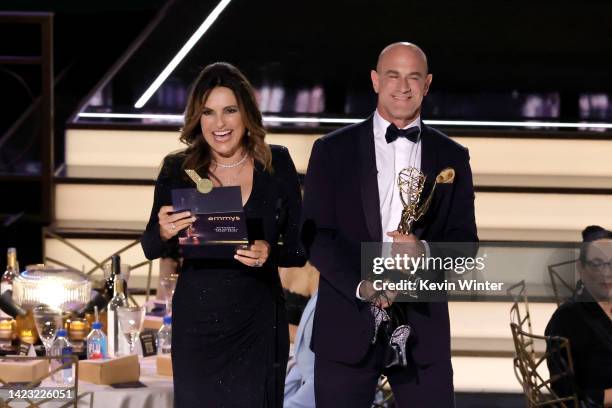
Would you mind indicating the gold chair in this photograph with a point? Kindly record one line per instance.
(519, 312)
(538, 391)
(558, 282)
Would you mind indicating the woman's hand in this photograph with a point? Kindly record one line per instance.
(170, 224)
(256, 255)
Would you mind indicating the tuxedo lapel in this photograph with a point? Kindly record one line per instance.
(429, 164)
(369, 182)
(429, 157)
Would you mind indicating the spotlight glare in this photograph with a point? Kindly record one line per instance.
(195, 37)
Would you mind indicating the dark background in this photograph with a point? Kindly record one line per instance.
(89, 37)
(484, 52)
(487, 58)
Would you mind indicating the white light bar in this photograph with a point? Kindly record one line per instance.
(278, 119)
(195, 37)
(158, 116)
(518, 124)
(179, 118)
(310, 120)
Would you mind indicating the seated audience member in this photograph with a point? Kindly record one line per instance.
(298, 284)
(586, 321)
(299, 383)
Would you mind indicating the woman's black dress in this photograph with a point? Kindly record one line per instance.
(229, 330)
(589, 331)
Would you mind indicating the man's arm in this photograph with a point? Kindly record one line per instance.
(326, 250)
(461, 224)
(462, 221)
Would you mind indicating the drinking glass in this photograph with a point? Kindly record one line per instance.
(131, 322)
(168, 285)
(48, 321)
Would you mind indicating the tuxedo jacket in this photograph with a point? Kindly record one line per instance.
(341, 210)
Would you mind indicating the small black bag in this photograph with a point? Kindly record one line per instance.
(394, 331)
(397, 337)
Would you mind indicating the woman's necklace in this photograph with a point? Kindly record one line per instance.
(230, 166)
(233, 179)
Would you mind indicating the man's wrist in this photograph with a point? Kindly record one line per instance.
(358, 294)
(427, 249)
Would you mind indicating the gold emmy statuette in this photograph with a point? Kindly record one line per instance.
(411, 182)
(203, 185)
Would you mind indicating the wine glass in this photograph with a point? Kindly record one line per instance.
(168, 285)
(131, 322)
(48, 321)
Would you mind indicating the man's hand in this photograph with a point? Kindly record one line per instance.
(406, 244)
(399, 237)
(382, 300)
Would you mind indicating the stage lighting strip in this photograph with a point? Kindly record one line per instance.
(178, 119)
(209, 21)
(195, 37)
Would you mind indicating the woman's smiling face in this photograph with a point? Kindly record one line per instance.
(222, 124)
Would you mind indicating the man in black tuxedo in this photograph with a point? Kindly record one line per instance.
(351, 196)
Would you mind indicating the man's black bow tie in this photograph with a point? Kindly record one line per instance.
(412, 133)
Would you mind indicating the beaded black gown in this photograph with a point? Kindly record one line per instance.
(230, 337)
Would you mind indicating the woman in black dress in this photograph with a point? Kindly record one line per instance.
(229, 340)
(586, 321)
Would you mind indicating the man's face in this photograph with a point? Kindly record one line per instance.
(401, 81)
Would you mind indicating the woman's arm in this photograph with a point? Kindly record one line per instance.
(607, 403)
(608, 398)
(152, 243)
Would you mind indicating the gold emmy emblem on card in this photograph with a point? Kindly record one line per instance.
(203, 185)
(411, 182)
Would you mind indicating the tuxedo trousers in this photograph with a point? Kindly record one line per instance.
(340, 385)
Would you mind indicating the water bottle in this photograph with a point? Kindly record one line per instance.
(96, 343)
(164, 337)
(62, 349)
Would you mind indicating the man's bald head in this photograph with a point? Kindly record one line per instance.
(402, 47)
(401, 80)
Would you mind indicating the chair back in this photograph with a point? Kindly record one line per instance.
(528, 369)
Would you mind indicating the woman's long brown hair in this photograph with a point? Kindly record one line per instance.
(198, 156)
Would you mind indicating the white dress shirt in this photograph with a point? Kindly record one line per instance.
(391, 158)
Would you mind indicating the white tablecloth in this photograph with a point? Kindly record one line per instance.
(158, 392)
